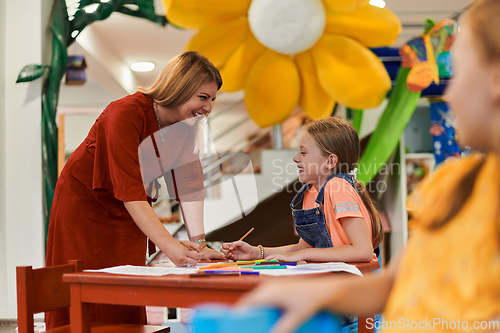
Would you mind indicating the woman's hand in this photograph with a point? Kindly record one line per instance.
(240, 250)
(183, 253)
(212, 254)
(299, 298)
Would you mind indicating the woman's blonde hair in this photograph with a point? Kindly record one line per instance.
(336, 136)
(180, 79)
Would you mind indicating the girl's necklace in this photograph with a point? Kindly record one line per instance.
(155, 107)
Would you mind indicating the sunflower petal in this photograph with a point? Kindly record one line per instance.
(272, 89)
(313, 99)
(349, 72)
(229, 35)
(197, 14)
(235, 71)
(344, 5)
(371, 26)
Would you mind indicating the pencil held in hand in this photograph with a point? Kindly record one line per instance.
(245, 235)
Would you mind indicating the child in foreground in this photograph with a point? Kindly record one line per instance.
(449, 273)
(338, 221)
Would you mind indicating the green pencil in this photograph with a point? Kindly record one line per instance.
(268, 267)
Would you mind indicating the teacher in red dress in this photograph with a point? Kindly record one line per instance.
(101, 212)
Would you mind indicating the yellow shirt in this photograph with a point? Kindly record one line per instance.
(450, 277)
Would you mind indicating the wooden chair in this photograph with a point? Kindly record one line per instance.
(42, 289)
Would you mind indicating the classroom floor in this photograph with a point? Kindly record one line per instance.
(11, 327)
(175, 327)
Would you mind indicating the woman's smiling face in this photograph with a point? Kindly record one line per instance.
(199, 104)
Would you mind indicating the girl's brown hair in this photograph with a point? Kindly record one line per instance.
(483, 18)
(336, 136)
(180, 79)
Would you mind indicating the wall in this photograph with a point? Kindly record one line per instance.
(3, 276)
(23, 35)
(418, 138)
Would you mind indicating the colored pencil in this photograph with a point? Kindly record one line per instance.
(248, 262)
(277, 264)
(220, 274)
(222, 264)
(270, 267)
(226, 272)
(216, 267)
(245, 235)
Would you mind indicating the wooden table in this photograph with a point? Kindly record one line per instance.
(174, 291)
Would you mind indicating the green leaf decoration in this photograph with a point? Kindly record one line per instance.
(429, 24)
(357, 120)
(31, 72)
(391, 125)
(62, 28)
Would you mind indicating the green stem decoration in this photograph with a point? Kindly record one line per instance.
(357, 119)
(391, 125)
(64, 32)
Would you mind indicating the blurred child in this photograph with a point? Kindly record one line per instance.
(338, 221)
(448, 277)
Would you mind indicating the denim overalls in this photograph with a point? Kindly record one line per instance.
(310, 223)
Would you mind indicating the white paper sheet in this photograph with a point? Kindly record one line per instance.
(146, 270)
(167, 269)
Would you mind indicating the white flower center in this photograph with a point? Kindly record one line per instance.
(287, 26)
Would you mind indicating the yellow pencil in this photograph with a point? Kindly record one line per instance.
(248, 233)
(218, 265)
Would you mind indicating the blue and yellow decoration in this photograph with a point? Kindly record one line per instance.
(429, 55)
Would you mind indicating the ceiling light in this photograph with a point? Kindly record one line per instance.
(377, 3)
(91, 8)
(142, 66)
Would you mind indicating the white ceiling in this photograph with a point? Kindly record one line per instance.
(412, 13)
(110, 46)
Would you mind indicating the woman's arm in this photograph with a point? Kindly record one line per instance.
(192, 211)
(360, 249)
(181, 253)
(302, 298)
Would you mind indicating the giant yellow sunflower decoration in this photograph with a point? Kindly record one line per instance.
(313, 53)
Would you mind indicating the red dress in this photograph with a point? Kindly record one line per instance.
(88, 219)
